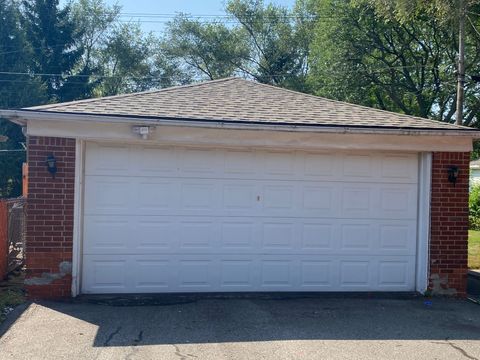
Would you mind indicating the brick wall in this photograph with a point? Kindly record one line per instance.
(50, 218)
(449, 225)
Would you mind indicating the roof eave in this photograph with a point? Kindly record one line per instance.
(22, 117)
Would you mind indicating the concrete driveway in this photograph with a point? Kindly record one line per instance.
(248, 328)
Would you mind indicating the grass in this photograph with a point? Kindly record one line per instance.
(474, 249)
(9, 298)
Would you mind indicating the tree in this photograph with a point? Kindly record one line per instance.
(404, 66)
(16, 90)
(267, 43)
(56, 48)
(212, 50)
(278, 40)
(127, 61)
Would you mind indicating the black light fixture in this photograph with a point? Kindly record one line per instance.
(51, 165)
(453, 174)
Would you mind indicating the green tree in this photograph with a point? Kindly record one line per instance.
(126, 61)
(268, 43)
(404, 66)
(210, 50)
(16, 90)
(56, 48)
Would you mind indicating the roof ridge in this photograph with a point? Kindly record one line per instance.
(120, 96)
(356, 105)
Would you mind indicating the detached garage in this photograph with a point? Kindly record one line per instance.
(233, 186)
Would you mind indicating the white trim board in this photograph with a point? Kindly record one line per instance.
(78, 217)
(260, 138)
(423, 223)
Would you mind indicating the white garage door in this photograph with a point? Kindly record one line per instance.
(190, 219)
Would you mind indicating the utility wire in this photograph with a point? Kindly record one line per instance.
(167, 77)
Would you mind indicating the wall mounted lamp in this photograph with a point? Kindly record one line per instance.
(143, 131)
(453, 174)
(51, 165)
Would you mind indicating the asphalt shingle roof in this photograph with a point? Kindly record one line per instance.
(239, 100)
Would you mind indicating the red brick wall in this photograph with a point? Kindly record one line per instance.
(3, 238)
(449, 225)
(50, 218)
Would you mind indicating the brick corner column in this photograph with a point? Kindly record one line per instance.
(449, 225)
(49, 218)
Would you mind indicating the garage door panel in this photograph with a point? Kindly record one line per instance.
(175, 273)
(139, 196)
(219, 235)
(172, 219)
(169, 161)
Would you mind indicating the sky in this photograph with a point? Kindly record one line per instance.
(132, 8)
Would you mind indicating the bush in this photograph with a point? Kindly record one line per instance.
(474, 207)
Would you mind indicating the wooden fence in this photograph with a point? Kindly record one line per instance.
(12, 235)
(3, 238)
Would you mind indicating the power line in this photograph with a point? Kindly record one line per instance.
(167, 77)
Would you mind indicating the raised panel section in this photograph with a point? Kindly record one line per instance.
(237, 234)
(236, 273)
(152, 275)
(105, 275)
(104, 159)
(237, 197)
(316, 273)
(157, 195)
(197, 196)
(317, 236)
(155, 234)
(357, 166)
(356, 237)
(196, 234)
(393, 273)
(195, 273)
(318, 198)
(277, 235)
(106, 234)
(321, 165)
(197, 161)
(356, 202)
(239, 162)
(151, 161)
(395, 237)
(278, 197)
(107, 195)
(279, 163)
(354, 273)
(276, 273)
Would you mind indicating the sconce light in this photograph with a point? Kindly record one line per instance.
(453, 174)
(51, 165)
(143, 131)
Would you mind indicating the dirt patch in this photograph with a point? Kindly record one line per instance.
(12, 293)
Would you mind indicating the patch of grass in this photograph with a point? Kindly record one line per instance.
(9, 298)
(474, 249)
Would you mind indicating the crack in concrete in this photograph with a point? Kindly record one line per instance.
(180, 355)
(456, 347)
(133, 347)
(139, 338)
(110, 337)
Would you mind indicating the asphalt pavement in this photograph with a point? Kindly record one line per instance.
(245, 328)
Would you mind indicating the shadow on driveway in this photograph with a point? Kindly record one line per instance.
(256, 319)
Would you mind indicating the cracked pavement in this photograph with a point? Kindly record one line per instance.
(245, 328)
